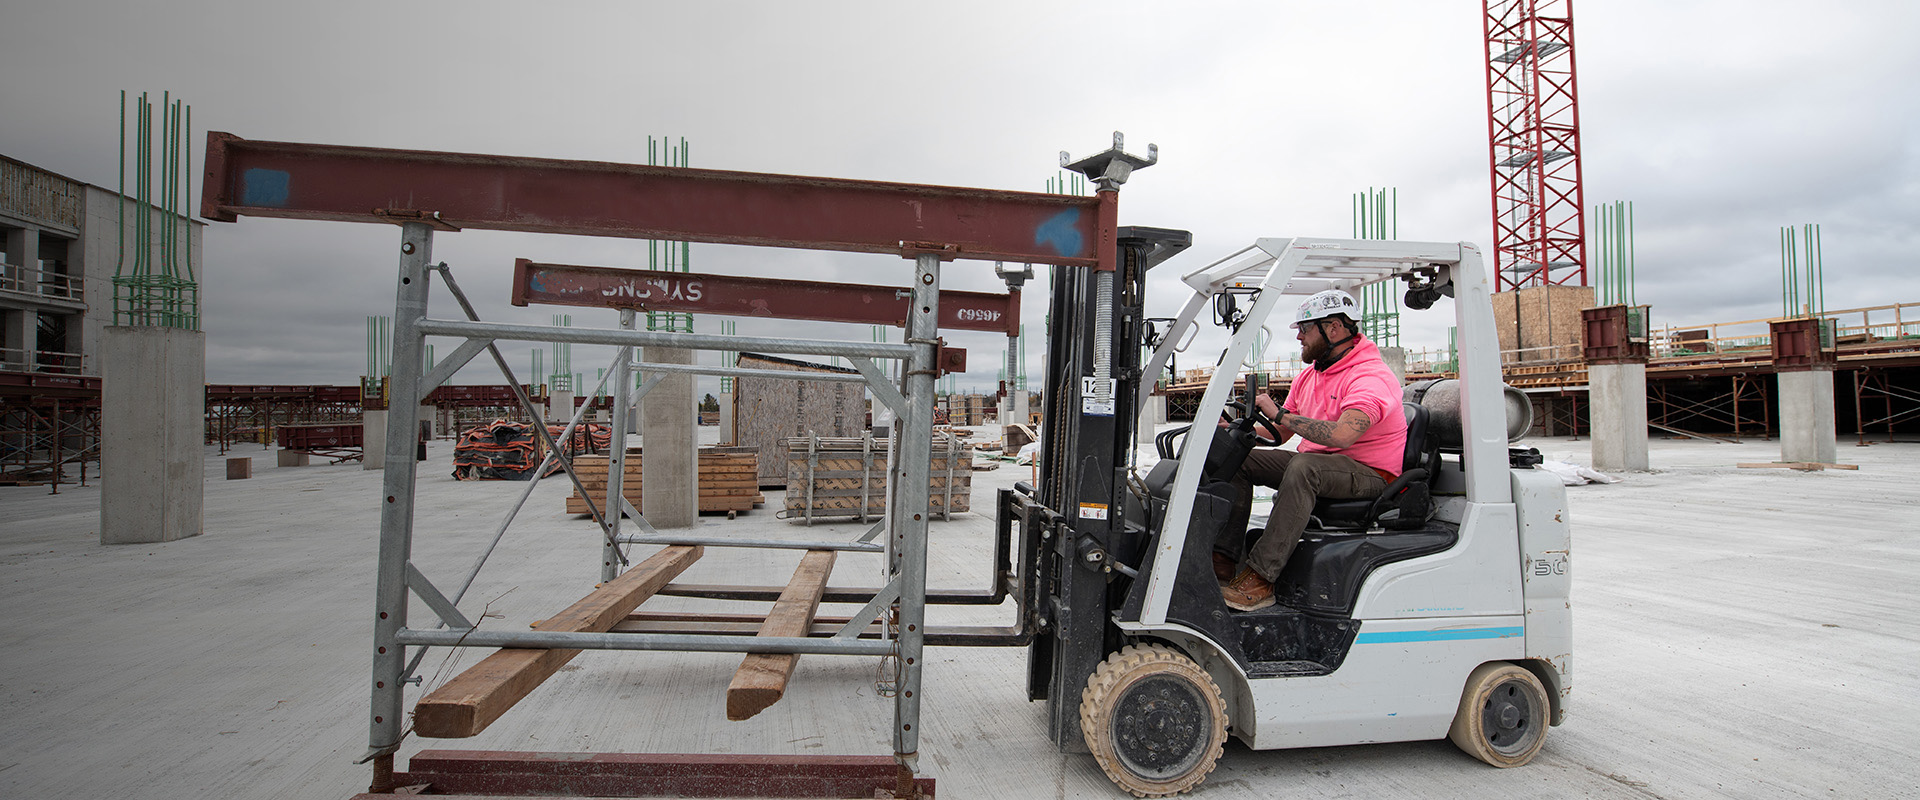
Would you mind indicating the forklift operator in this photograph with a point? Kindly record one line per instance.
(1346, 410)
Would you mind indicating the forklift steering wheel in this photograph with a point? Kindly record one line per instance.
(1251, 426)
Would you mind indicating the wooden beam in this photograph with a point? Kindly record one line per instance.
(475, 698)
(762, 678)
(1803, 466)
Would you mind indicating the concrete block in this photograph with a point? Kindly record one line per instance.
(1396, 360)
(373, 439)
(560, 407)
(239, 468)
(1155, 413)
(152, 406)
(1806, 416)
(295, 458)
(1617, 408)
(670, 472)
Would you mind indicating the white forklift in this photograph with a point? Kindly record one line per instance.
(1439, 609)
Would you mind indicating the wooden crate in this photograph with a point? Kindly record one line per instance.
(847, 477)
(1540, 323)
(769, 411)
(728, 480)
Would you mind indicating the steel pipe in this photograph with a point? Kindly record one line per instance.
(739, 372)
(771, 544)
(682, 643)
(688, 341)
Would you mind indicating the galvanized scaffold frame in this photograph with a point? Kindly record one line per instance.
(906, 587)
(449, 192)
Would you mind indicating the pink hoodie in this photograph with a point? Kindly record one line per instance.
(1360, 380)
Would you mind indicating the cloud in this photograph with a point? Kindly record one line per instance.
(1722, 121)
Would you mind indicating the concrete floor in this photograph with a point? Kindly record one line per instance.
(1740, 633)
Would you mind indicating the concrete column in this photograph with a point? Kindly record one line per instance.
(669, 460)
(1806, 416)
(1020, 409)
(432, 415)
(373, 439)
(22, 337)
(1617, 408)
(559, 406)
(152, 471)
(1154, 414)
(726, 417)
(1396, 358)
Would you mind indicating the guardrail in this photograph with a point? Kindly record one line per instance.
(46, 283)
(1743, 337)
(51, 361)
(1737, 339)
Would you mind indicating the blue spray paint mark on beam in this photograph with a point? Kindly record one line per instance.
(264, 188)
(1060, 233)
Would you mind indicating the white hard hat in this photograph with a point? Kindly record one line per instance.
(1326, 304)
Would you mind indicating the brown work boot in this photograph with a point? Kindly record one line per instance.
(1224, 568)
(1247, 591)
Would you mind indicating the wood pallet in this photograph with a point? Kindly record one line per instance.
(728, 480)
(847, 477)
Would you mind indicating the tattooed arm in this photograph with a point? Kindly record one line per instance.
(1338, 433)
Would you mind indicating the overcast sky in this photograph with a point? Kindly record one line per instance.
(1722, 121)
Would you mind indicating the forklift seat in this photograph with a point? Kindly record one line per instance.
(1407, 495)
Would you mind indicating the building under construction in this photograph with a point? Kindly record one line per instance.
(607, 589)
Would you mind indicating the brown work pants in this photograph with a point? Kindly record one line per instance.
(1298, 479)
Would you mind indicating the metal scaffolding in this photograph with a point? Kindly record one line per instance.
(450, 192)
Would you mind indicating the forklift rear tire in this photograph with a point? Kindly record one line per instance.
(1503, 715)
(1154, 720)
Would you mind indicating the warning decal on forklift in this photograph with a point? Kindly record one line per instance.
(1093, 511)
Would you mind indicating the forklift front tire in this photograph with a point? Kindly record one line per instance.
(1154, 720)
(1503, 715)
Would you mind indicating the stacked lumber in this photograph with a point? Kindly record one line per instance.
(970, 409)
(727, 480)
(847, 477)
(470, 702)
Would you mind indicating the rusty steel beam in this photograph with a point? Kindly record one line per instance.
(521, 773)
(452, 191)
(734, 295)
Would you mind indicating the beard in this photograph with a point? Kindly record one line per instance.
(1313, 352)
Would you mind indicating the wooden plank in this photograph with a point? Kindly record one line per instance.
(1803, 466)
(762, 678)
(470, 702)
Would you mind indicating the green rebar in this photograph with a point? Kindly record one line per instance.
(1633, 265)
(120, 211)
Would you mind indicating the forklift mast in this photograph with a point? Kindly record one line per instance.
(1095, 329)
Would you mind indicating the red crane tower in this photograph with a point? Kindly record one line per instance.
(1533, 136)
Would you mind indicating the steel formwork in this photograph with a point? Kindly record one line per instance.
(1533, 138)
(449, 192)
(47, 424)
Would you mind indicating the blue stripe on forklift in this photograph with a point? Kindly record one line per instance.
(1438, 636)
